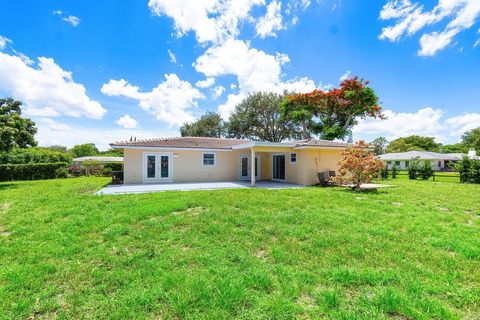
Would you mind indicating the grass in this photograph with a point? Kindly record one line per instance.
(410, 252)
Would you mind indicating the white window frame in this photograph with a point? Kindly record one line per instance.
(296, 159)
(214, 160)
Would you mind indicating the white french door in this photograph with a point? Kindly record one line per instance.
(157, 167)
(245, 169)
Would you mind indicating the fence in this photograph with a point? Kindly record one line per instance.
(439, 176)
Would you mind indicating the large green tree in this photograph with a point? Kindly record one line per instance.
(209, 125)
(413, 142)
(380, 145)
(82, 150)
(332, 114)
(471, 139)
(258, 117)
(454, 148)
(15, 130)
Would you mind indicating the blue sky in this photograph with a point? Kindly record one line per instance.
(106, 70)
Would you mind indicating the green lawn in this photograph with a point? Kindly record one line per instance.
(410, 252)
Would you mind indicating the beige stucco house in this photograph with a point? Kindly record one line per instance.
(196, 159)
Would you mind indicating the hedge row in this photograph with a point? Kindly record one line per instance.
(31, 171)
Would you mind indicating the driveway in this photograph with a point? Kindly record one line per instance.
(144, 188)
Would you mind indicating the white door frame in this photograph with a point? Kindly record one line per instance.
(249, 167)
(157, 178)
(271, 169)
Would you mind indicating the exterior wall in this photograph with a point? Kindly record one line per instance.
(187, 164)
(312, 161)
(437, 165)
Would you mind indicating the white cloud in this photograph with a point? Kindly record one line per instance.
(102, 137)
(426, 122)
(205, 83)
(45, 88)
(345, 76)
(271, 21)
(170, 101)
(4, 41)
(172, 56)
(282, 58)
(211, 20)
(127, 122)
(217, 91)
(74, 21)
(255, 71)
(57, 12)
(463, 123)
(410, 18)
(53, 125)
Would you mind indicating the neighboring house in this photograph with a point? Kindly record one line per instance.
(197, 159)
(98, 159)
(402, 160)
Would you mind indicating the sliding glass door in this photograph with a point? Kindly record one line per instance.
(278, 167)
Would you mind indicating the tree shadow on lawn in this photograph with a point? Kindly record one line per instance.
(7, 185)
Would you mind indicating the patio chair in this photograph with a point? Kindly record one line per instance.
(326, 178)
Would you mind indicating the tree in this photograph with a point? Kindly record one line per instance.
(332, 114)
(209, 125)
(57, 148)
(258, 117)
(413, 142)
(15, 131)
(454, 148)
(471, 139)
(358, 166)
(380, 145)
(112, 152)
(82, 150)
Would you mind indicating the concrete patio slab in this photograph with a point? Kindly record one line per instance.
(145, 188)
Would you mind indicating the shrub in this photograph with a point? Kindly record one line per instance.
(33, 155)
(61, 172)
(394, 172)
(31, 171)
(115, 166)
(107, 172)
(413, 169)
(426, 170)
(385, 173)
(469, 170)
(358, 166)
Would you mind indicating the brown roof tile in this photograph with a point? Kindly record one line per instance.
(321, 143)
(183, 142)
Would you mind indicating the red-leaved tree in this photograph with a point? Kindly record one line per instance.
(358, 166)
(332, 114)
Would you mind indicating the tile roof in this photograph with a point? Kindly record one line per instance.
(422, 155)
(219, 143)
(183, 142)
(321, 143)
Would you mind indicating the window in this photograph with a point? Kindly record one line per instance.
(397, 163)
(209, 160)
(407, 163)
(389, 162)
(293, 158)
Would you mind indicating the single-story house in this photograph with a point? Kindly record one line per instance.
(199, 159)
(401, 160)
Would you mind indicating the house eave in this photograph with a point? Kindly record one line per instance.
(168, 148)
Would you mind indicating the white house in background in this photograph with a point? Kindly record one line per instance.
(439, 161)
